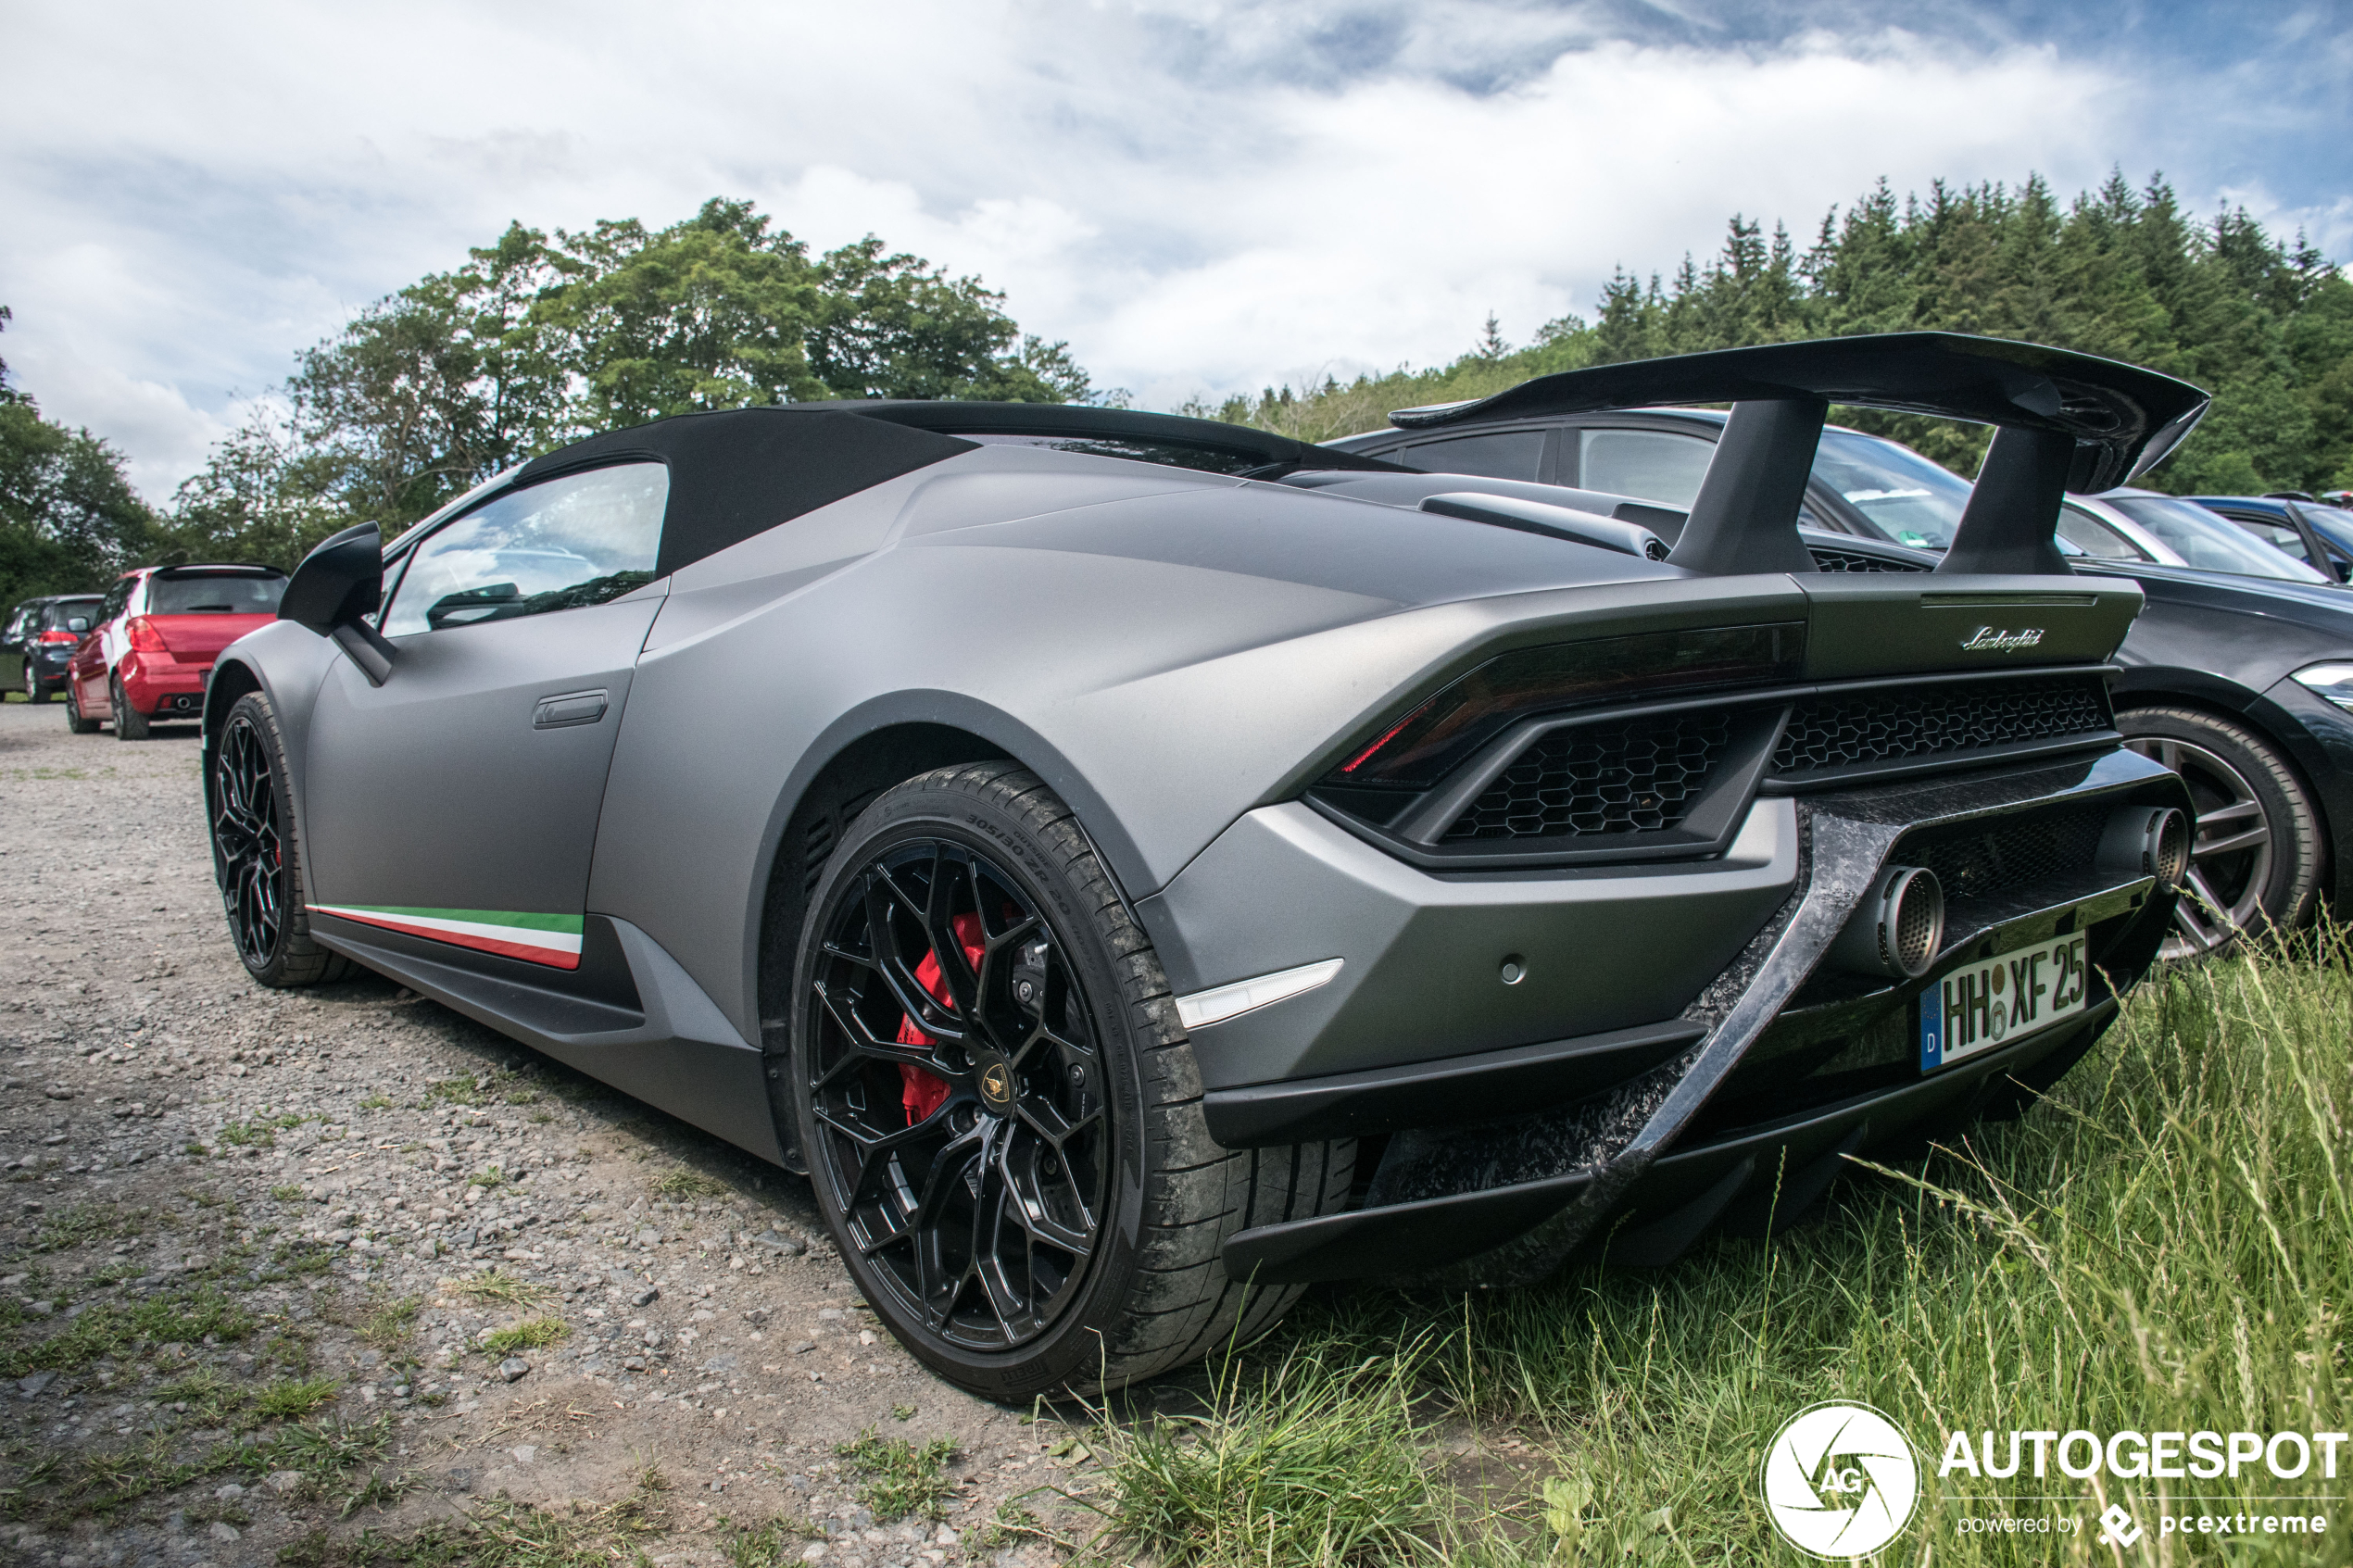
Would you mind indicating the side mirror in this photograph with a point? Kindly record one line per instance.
(337, 586)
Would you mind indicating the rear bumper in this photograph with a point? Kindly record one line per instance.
(159, 686)
(1761, 1083)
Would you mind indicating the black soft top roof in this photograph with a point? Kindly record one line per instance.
(739, 471)
(2122, 418)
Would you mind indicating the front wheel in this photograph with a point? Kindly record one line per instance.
(255, 854)
(1000, 1111)
(2255, 860)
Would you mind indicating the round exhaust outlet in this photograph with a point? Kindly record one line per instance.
(2148, 840)
(1898, 927)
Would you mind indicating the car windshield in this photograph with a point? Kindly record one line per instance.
(62, 617)
(2207, 542)
(1913, 501)
(243, 594)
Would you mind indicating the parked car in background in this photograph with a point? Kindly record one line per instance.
(158, 630)
(2236, 674)
(44, 633)
(2320, 536)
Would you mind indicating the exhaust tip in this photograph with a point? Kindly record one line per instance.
(1899, 927)
(2149, 841)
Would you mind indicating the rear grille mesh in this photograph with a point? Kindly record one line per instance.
(1901, 724)
(1637, 775)
(1989, 864)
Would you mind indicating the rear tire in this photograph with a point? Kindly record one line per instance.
(35, 689)
(75, 721)
(2255, 864)
(257, 859)
(129, 723)
(970, 1211)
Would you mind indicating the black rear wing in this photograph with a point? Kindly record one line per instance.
(2066, 422)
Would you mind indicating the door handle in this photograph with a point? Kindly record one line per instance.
(568, 708)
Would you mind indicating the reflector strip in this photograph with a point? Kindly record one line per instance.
(1244, 996)
(553, 940)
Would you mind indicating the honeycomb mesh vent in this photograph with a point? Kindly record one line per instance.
(1828, 559)
(1637, 775)
(1898, 725)
(1990, 864)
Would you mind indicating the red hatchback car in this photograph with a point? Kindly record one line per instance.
(159, 629)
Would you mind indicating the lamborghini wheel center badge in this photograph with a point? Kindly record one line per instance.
(997, 1085)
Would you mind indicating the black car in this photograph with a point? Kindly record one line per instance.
(2240, 684)
(44, 633)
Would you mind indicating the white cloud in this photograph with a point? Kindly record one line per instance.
(1199, 196)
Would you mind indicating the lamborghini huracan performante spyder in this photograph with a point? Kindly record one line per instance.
(1136, 866)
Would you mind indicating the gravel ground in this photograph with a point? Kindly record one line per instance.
(253, 1242)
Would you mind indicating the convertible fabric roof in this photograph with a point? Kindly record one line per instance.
(2122, 418)
(740, 472)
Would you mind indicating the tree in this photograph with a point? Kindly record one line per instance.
(69, 517)
(537, 341)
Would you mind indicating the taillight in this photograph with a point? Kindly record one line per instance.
(62, 636)
(143, 637)
(1413, 752)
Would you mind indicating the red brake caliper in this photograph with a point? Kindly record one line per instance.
(924, 1090)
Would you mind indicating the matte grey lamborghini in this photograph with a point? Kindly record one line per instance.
(1136, 866)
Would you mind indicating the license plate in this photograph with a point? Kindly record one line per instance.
(1996, 1000)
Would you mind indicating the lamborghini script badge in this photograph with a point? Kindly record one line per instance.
(1986, 639)
(997, 1084)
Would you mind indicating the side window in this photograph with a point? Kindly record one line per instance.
(1508, 454)
(117, 599)
(571, 542)
(2092, 537)
(1653, 464)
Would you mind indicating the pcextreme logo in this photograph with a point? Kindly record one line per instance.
(1987, 640)
(1841, 1481)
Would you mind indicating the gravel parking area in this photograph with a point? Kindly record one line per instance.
(278, 1268)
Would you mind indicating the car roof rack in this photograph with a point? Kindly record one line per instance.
(2065, 421)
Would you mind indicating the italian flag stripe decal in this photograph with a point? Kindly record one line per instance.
(553, 940)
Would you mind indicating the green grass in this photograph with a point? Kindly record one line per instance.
(532, 1334)
(2166, 1243)
(490, 1177)
(289, 1193)
(387, 1323)
(117, 1331)
(498, 1287)
(86, 1223)
(501, 1533)
(683, 1183)
(900, 1478)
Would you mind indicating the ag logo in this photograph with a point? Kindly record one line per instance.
(1840, 1481)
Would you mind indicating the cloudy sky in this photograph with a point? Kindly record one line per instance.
(1201, 196)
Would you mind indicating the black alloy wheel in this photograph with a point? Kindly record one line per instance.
(958, 1092)
(251, 848)
(253, 853)
(999, 1108)
(35, 689)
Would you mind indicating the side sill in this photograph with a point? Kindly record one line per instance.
(678, 1054)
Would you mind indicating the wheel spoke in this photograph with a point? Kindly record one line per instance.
(977, 1222)
(2207, 848)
